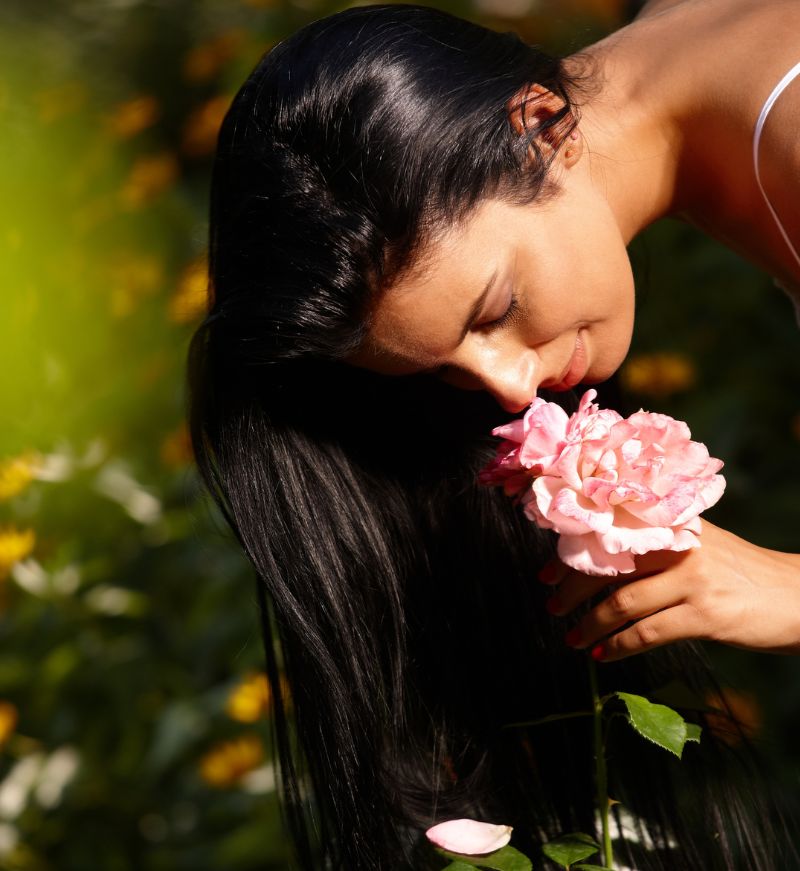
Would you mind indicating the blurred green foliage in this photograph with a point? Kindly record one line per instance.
(132, 733)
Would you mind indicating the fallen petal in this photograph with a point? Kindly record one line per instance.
(471, 837)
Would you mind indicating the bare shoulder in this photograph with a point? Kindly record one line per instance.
(734, 45)
(720, 10)
(709, 66)
(656, 7)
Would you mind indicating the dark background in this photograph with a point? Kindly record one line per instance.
(132, 735)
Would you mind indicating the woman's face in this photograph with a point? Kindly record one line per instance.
(516, 299)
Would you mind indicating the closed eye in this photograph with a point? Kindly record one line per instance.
(506, 318)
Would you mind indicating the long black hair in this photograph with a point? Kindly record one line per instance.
(398, 597)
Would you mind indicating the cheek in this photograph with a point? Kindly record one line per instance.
(574, 270)
(611, 337)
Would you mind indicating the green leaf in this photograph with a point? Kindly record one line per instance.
(693, 732)
(584, 867)
(504, 859)
(657, 723)
(568, 849)
(458, 865)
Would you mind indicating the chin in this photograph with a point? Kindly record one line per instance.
(597, 375)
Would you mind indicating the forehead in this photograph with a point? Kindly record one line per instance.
(413, 322)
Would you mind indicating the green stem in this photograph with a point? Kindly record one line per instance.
(601, 775)
(552, 718)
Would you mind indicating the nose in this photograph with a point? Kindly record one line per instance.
(512, 378)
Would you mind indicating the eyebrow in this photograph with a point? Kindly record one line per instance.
(477, 306)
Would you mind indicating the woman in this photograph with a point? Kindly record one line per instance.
(400, 193)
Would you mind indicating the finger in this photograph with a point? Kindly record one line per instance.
(673, 624)
(574, 589)
(657, 561)
(630, 601)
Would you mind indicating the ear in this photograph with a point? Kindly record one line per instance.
(533, 105)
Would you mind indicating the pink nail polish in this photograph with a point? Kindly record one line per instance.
(597, 653)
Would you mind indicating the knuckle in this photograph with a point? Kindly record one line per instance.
(705, 603)
(705, 623)
(701, 605)
(621, 601)
(646, 633)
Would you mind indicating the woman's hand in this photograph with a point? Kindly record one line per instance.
(727, 590)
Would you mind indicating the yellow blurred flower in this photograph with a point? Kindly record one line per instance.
(659, 374)
(191, 298)
(745, 715)
(176, 447)
(250, 700)
(228, 762)
(204, 61)
(16, 473)
(149, 176)
(14, 546)
(64, 99)
(133, 116)
(8, 721)
(131, 276)
(202, 126)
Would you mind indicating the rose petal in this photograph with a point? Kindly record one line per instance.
(685, 539)
(660, 428)
(471, 837)
(566, 466)
(708, 493)
(692, 460)
(559, 505)
(571, 506)
(587, 399)
(545, 427)
(693, 525)
(513, 432)
(584, 553)
(638, 537)
(670, 506)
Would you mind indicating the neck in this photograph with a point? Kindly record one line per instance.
(633, 143)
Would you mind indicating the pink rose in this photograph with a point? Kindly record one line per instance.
(611, 487)
(470, 837)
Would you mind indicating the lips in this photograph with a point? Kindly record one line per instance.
(576, 368)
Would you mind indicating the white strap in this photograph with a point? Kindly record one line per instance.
(779, 89)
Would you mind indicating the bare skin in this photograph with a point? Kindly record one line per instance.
(668, 134)
(728, 590)
(694, 75)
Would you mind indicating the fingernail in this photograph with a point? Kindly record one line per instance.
(573, 637)
(597, 653)
(547, 575)
(553, 606)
